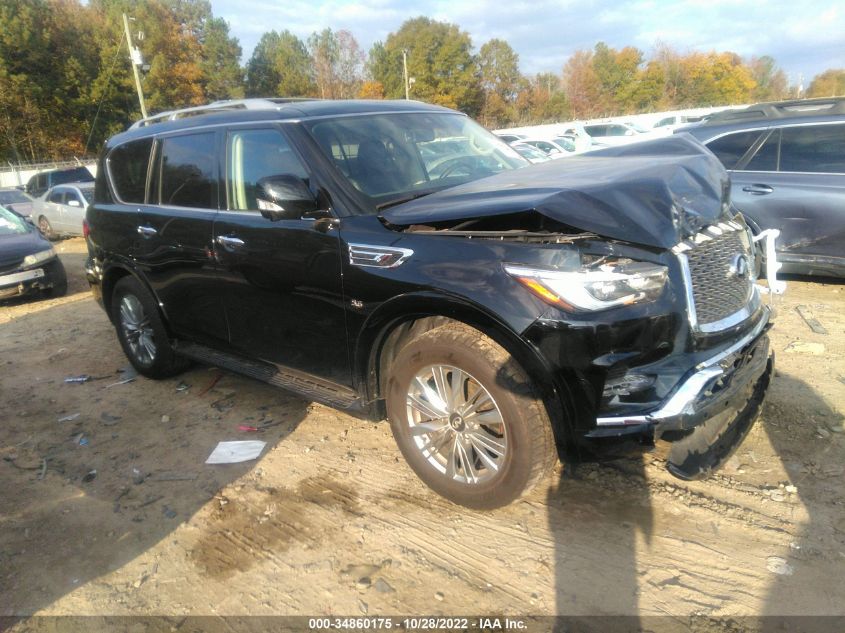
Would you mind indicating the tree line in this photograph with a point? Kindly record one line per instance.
(66, 84)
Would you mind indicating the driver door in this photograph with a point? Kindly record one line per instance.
(280, 279)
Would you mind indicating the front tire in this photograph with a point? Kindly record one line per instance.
(141, 331)
(468, 419)
(46, 228)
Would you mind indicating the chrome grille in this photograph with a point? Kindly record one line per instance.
(718, 263)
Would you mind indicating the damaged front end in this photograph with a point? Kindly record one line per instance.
(654, 324)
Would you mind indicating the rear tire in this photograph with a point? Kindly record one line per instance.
(468, 419)
(141, 331)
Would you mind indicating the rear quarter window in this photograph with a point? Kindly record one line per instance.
(127, 166)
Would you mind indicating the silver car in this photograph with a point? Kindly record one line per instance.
(61, 209)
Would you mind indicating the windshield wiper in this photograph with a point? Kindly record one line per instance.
(393, 203)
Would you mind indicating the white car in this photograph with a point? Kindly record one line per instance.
(530, 153)
(61, 209)
(558, 148)
(612, 134)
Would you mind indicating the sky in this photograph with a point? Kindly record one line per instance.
(805, 37)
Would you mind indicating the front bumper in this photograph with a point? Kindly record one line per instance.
(24, 282)
(710, 411)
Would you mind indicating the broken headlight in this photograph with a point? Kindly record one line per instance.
(604, 284)
(38, 258)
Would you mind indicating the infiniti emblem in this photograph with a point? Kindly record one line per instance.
(739, 266)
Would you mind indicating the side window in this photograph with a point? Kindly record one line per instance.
(766, 158)
(730, 148)
(813, 148)
(56, 196)
(127, 166)
(252, 155)
(186, 174)
(667, 121)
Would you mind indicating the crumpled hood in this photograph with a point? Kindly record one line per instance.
(654, 193)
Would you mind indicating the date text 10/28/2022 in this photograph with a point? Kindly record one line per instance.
(418, 623)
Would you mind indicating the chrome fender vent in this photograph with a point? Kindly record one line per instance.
(378, 256)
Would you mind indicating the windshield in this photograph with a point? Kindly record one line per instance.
(393, 157)
(80, 174)
(13, 196)
(12, 223)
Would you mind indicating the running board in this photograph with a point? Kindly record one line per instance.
(299, 382)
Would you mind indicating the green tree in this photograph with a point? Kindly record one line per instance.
(771, 81)
(440, 61)
(500, 78)
(223, 77)
(280, 66)
(830, 83)
(617, 75)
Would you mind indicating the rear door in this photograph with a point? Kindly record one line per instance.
(73, 210)
(793, 179)
(52, 208)
(280, 280)
(175, 250)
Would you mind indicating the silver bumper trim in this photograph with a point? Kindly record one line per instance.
(690, 389)
(16, 278)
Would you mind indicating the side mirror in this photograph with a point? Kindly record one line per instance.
(73, 203)
(285, 197)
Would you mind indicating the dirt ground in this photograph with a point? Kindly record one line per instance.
(330, 520)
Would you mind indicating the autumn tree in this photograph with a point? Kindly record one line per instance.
(440, 60)
(582, 86)
(830, 83)
(617, 73)
(338, 62)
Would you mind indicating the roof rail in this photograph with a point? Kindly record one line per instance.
(217, 106)
(780, 109)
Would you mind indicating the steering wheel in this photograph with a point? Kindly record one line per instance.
(466, 163)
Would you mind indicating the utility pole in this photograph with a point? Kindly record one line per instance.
(405, 73)
(132, 55)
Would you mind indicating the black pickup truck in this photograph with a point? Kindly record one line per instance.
(394, 259)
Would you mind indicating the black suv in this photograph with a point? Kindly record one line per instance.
(787, 167)
(394, 259)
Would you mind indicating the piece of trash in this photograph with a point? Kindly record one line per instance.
(182, 387)
(78, 379)
(81, 440)
(137, 477)
(43, 469)
(248, 428)
(165, 419)
(234, 452)
(800, 347)
(791, 489)
(69, 418)
(170, 514)
(108, 419)
(778, 565)
(121, 382)
(173, 477)
(812, 322)
(128, 372)
(91, 476)
(211, 384)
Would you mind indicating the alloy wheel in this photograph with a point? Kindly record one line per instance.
(456, 425)
(137, 329)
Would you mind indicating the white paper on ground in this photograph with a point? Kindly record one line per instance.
(234, 452)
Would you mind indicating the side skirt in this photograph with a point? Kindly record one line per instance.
(301, 383)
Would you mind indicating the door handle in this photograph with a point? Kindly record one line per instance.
(230, 243)
(758, 190)
(146, 231)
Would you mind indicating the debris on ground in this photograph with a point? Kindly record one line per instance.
(90, 476)
(779, 566)
(249, 429)
(802, 347)
(805, 313)
(69, 418)
(218, 375)
(78, 379)
(108, 419)
(182, 387)
(235, 452)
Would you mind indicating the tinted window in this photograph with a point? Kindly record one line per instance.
(766, 158)
(814, 148)
(596, 130)
(128, 169)
(55, 196)
(187, 177)
(78, 174)
(729, 149)
(255, 154)
(668, 121)
(87, 194)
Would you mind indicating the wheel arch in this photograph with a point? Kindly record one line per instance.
(112, 276)
(403, 318)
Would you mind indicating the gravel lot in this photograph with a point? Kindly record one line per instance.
(330, 520)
